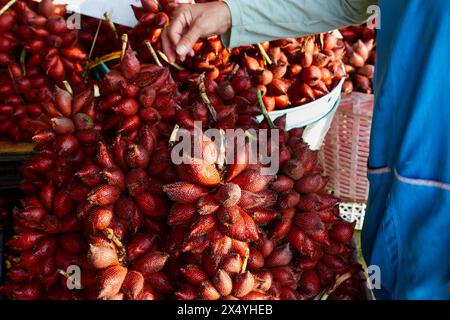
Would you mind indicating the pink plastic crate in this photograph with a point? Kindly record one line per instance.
(346, 148)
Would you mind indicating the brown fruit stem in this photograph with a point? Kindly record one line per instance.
(109, 233)
(202, 89)
(95, 38)
(153, 53)
(124, 45)
(173, 64)
(337, 283)
(23, 55)
(111, 25)
(264, 54)
(7, 6)
(107, 57)
(264, 110)
(68, 87)
(245, 262)
(233, 72)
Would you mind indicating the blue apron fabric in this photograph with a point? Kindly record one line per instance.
(407, 227)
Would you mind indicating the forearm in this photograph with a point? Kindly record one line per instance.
(262, 20)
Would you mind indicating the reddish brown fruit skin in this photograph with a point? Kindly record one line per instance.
(342, 231)
(151, 263)
(194, 274)
(252, 181)
(282, 184)
(102, 256)
(207, 205)
(181, 214)
(208, 292)
(243, 284)
(281, 256)
(313, 183)
(140, 244)
(104, 195)
(223, 283)
(110, 281)
(228, 195)
(133, 285)
(293, 169)
(183, 192)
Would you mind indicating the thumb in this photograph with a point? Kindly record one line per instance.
(188, 41)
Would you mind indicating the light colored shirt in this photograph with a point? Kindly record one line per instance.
(256, 21)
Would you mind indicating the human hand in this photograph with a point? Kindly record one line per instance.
(191, 22)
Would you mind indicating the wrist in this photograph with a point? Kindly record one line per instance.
(225, 13)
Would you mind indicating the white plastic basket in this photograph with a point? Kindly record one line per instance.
(352, 212)
(316, 117)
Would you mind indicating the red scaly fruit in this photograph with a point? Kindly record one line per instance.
(25, 241)
(313, 183)
(263, 199)
(199, 172)
(194, 274)
(207, 205)
(104, 157)
(151, 205)
(251, 229)
(72, 243)
(282, 184)
(301, 242)
(208, 292)
(90, 174)
(137, 157)
(281, 256)
(252, 180)
(342, 231)
(228, 195)
(329, 215)
(110, 281)
(232, 264)
(309, 284)
(47, 194)
(103, 195)
(130, 65)
(309, 222)
(263, 279)
(140, 244)
(184, 192)
(159, 281)
(137, 181)
(151, 262)
(255, 259)
(100, 217)
(293, 169)
(181, 214)
(186, 292)
(133, 285)
(288, 200)
(63, 203)
(202, 225)
(102, 256)
(220, 247)
(223, 282)
(243, 284)
(317, 202)
(263, 217)
(282, 227)
(257, 296)
(114, 177)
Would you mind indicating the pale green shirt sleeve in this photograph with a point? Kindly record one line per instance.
(256, 21)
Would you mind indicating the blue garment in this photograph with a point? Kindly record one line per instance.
(407, 227)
